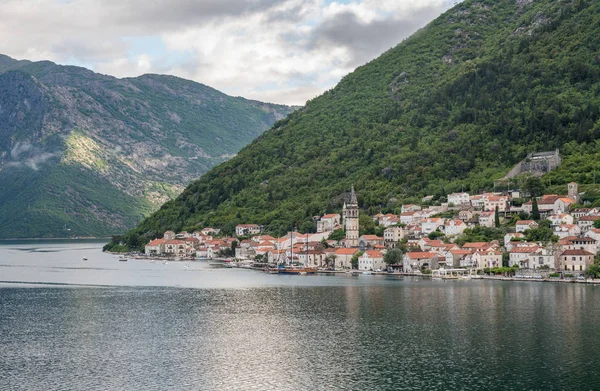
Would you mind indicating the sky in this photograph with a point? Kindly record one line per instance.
(281, 51)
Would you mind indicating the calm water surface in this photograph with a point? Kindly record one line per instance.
(103, 324)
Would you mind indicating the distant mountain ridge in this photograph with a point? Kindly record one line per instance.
(84, 154)
(453, 107)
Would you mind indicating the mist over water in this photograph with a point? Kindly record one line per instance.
(139, 325)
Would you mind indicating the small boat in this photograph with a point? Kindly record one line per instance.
(165, 262)
(298, 270)
(122, 259)
(85, 258)
(367, 273)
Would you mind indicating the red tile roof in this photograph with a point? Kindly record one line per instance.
(575, 252)
(346, 251)
(421, 255)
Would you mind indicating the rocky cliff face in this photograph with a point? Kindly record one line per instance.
(144, 138)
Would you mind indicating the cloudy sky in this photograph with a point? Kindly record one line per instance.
(283, 51)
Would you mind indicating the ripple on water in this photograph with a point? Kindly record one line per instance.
(405, 336)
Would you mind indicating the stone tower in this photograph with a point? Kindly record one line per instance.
(574, 191)
(351, 220)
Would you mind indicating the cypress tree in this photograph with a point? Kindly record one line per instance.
(497, 218)
(535, 211)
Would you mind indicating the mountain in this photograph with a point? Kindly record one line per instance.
(453, 107)
(84, 154)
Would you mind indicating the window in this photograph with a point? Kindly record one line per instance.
(580, 267)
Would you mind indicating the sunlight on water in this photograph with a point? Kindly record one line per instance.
(240, 329)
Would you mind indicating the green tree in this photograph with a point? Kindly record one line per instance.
(366, 225)
(330, 260)
(535, 210)
(354, 259)
(496, 218)
(597, 224)
(261, 258)
(505, 259)
(393, 256)
(338, 234)
(593, 271)
(435, 235)
(542, 234)
(534, 186)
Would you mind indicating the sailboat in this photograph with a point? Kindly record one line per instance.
(291, 269)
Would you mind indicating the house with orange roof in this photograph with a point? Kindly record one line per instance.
(487, 219)
(155, 247)
(490, 257)
(543, 257)
(210, 231)
(493, 201)
(512, 238)
(371, 260)
(579, 243)
(476, 245)
(458, 199)
(407, 218)
(263, 238)
(465, 215)
(587, 222)
(276, 256)
(425, 244)
(519, 255)
(432, 224)
(343, 257)
(560, 218)
(312, 258)
(328, 222)
(388, 220)
(550, 204)
(454, 227)
(393, 235)
(414, 261)
(247, 229)
(457, 257)
(368, 241)
(524, 225)
(410, 208)
(580, 212)
(576, 260)
(593, 233)
(564, 230)
(175, 247)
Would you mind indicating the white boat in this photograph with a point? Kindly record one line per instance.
(165, 262)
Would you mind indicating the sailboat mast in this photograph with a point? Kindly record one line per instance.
(306, 261)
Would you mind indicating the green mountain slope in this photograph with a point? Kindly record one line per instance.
(453, 107)
(83, 154)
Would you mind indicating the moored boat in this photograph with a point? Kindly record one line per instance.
(299, 270)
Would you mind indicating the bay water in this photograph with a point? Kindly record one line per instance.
(102, 324)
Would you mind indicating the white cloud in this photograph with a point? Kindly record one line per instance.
(286, 51)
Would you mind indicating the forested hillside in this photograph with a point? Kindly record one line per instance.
(453, 107)
(84, 154)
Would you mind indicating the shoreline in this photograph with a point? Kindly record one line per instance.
(71, 238)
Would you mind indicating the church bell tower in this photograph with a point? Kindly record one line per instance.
(351, 220)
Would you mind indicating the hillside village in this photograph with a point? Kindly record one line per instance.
(544, 235)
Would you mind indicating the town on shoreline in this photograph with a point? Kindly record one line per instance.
(543, 238)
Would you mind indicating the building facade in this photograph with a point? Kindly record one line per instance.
(351, 220)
